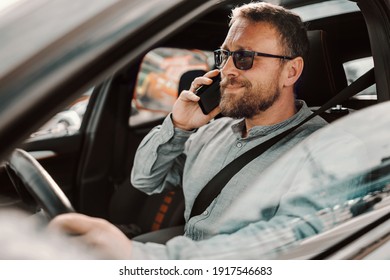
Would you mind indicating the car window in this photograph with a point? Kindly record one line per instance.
(356, 68)
(158, 81)
(331, 170)
(325, 9)
(68, 121)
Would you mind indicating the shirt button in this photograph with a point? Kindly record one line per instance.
(205, 213)
(239, 144)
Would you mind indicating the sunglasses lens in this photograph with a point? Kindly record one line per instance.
(220, 58)
(243, 60)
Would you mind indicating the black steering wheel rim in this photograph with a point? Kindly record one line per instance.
(38, 183)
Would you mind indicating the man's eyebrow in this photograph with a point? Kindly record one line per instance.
(240, 48)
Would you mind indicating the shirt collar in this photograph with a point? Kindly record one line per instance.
(302, 112)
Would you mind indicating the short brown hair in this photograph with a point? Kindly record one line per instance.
(292, 30)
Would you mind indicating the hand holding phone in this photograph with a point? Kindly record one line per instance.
(210, 95)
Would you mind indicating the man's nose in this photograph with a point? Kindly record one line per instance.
(229, 68)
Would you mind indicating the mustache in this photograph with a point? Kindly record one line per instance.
(234, 81)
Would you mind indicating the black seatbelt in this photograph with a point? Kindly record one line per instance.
(216, 184)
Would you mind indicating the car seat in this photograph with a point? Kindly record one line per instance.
(323, 75)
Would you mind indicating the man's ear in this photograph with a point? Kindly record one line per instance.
(294, 71)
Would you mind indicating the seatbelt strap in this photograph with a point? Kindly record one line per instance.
(217, 183)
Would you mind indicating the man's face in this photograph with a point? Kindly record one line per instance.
(246, 93)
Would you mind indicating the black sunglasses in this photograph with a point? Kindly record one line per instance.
(242, 59)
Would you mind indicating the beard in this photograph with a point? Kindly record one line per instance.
(255, 98)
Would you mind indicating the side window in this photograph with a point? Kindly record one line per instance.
(354, 69)
(66, 122)
(158, 81)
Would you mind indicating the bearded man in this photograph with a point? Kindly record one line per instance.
(259, 62)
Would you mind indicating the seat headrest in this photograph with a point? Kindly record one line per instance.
(323, 74)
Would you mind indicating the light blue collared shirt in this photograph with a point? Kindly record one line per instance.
(168, 156)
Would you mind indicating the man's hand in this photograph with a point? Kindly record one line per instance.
(186, 113)
(101, 236)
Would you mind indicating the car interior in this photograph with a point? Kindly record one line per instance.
(93, 166)
(323, 77)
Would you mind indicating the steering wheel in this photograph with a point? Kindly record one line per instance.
(28, 175)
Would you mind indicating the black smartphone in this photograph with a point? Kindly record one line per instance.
(210, 95)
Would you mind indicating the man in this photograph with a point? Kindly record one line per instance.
(259, 62)
(257, 89)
